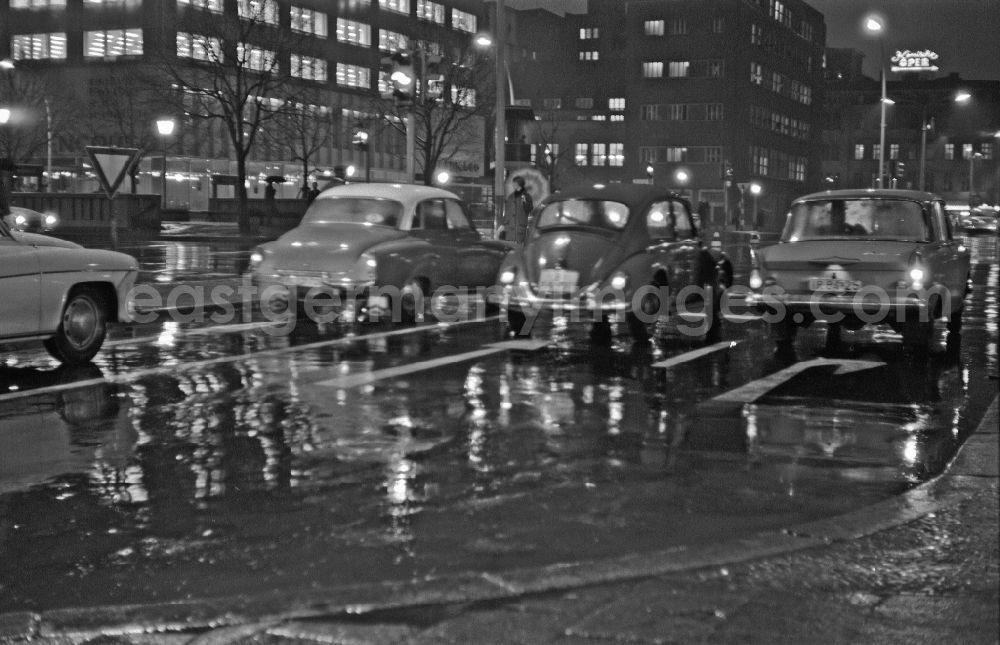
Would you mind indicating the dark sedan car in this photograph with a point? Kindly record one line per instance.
(31, 221)
(365, 251)
(615, 252)
(856, 257)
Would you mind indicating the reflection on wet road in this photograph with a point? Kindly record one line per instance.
(195, 460)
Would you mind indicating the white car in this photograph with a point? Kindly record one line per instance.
(61, 293)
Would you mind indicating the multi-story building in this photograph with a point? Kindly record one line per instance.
(89, 48)
(688, 89)
(954, 154)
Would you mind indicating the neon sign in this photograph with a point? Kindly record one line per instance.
(919, 61)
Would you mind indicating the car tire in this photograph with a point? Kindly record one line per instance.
(412, 302)
(82, 328)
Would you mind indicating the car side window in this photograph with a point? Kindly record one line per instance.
(431, 215)
(660, 221)
(683, 227)
(458, 220)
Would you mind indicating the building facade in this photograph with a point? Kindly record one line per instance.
(82, 50)
(706, 98)
(941, 134)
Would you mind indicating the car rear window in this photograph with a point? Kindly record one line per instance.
(354, 210)
(595, 213)
(876, 219)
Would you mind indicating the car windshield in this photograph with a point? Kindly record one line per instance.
(865, 218)
(354, 210)
(584, 212)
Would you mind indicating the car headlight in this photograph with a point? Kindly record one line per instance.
(756, 280)
(507, 276)
(256, 257)
(365, 269)
(20, 220)
(51, 219)
(619, 281)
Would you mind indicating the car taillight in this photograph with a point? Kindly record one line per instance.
(507, 276)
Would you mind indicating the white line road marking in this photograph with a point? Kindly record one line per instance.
(365, 378)
(697, 353)
(196, 331)
(134, 375)
(756, 389)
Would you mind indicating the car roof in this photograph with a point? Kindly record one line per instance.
(871, 193)
(626, 193)
(406, 193)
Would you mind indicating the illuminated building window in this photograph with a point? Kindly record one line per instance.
(198, 47)
(580, 156)
(679, 69)
(308, 21)
(652, 69)
(355, 33)
(256, 58)
(432, 11)
(392, 41)
(399, 6)
(653, 27)
(590, 55)
(598, 154)
(616, 154)
(38, 46)
(307, 67)
(678, 27)
(211, 5)
(353, 75)
(463, 21)
(589, 33)
(112, 42)
(259, 10)
(37, 4)
(949, 151)
(616, 104)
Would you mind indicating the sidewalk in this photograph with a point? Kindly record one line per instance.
(922, 567)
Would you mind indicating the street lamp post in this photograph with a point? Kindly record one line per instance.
(165, 127)
(972, 165)
(755, 190)
(361, 141)
(500, 107)
(650, 171)
(875, 26)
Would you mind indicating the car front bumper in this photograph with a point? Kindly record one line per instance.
(866, 306)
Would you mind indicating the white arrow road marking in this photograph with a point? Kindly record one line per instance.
(697, 353)
(365, 378)
(755, 389)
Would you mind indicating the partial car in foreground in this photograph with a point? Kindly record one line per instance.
(61, 293)
(31, 221)
(602, 253)
(856, 257)
(366, 251)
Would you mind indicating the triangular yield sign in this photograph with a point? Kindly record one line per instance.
(111, 165)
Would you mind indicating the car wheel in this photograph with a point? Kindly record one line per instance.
(82, 328)
(412, 302)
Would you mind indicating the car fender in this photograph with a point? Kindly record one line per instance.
(400, 260)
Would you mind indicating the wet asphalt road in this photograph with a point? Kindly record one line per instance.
(201, 458)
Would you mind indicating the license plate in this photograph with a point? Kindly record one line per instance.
(305, 282)
(558, 280)
(378, 302)
(834, 284)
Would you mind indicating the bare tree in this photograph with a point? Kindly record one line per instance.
(39, 108)
(303, 127)
(448, 104)
(233, 73)
(123, 106)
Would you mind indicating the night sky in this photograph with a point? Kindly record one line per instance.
(964, 33)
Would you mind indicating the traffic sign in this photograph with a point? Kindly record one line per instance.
(111, 165)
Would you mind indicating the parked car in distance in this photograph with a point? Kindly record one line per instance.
(374, 250)
(31, 221)
(61, 293)
(602, 253)
(982, 220)
(855, 257)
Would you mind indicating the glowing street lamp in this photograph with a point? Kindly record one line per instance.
(755, 189)
(443, 177)
(165, 127)
(875, 25)
(649, 172)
